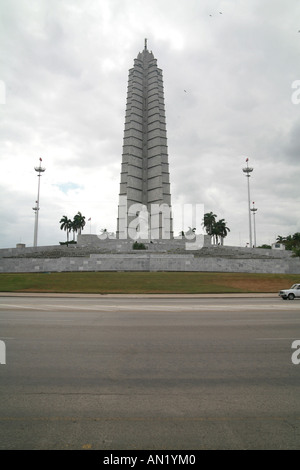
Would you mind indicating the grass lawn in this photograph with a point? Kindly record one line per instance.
(146, 282)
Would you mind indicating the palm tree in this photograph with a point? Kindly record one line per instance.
(215, 232)
(289, 242)
(78, 223)
(296, 238)
(225, 231)
(66, 224)
(221, 230)
(209, 221)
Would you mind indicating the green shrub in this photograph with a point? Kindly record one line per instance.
(139, 246)
(296, 252)
(72, 242)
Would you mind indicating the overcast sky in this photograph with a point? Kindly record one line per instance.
(229, 68)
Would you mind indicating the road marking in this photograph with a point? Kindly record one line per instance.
(276, 339)
(170, 307)
(30, 307)
(158, 418)
(157, 307)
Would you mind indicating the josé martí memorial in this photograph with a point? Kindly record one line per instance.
(145, 213)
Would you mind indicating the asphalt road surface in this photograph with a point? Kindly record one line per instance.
(170, 372)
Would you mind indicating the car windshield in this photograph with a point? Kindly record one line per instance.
(295, 286)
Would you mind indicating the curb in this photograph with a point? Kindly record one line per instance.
(78, 295)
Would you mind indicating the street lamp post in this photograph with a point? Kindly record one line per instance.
(254, 210)
(36, 209)
(249, 170)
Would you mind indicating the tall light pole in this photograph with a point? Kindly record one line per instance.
(254, 210)
(36, 209)
(249, 170)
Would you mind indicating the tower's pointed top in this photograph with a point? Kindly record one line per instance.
(145, 44)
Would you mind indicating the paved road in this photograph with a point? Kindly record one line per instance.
(178, 372)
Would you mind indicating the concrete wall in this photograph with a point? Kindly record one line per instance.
(146, 261)
(119, 245)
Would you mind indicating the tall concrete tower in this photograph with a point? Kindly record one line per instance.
(145, 182)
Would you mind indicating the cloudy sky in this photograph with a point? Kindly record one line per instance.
(230, 71)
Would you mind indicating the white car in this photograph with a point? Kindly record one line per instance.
(291, 293)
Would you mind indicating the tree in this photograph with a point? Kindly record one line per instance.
(280, 239)
(209, 221)
(66, 224)
(296, 239)
(296, 252)
(216, 229)
(221, 230)
(78, 223)
(291, 242)
(215, 232)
